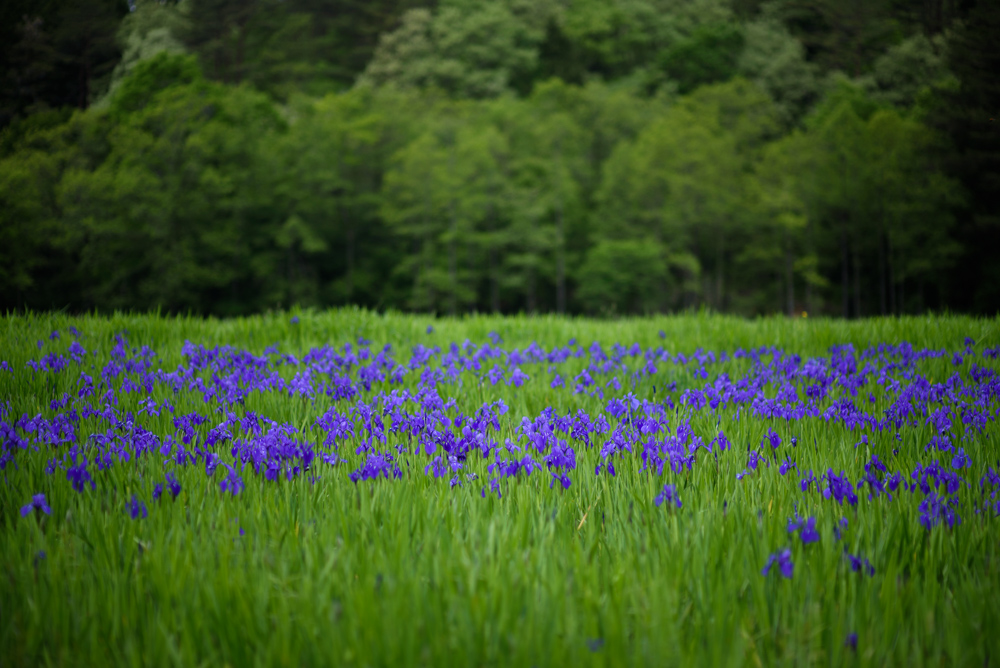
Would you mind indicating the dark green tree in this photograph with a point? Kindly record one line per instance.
(969, 113)
(56, 54)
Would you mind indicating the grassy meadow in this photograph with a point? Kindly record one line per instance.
(480, 567)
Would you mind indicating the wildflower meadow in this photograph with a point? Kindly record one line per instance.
(362, 489)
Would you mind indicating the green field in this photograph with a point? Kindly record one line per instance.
(320, 570)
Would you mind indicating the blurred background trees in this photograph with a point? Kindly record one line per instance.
(578, 156)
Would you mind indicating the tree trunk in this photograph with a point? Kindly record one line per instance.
(452, 271)
(561, 233)
(494, 282)
(893, 307)
(902, 296)
(857, 279)
(789, 277)
(845, 285)
(350, 262)
(531, 291)
(452, 260)
(428, 286)
(810, 249)
(881, 274)
(84, 84)
(560, 260)
(720, 292)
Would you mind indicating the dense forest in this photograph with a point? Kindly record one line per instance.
(582, 156)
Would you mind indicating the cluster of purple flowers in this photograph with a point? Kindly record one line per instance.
(668, 495)
(378, 416)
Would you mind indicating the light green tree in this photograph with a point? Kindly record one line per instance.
(468, 48)
(774, 60)
(152, 27)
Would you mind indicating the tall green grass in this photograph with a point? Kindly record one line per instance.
(412, 572)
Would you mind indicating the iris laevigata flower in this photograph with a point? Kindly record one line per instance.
(668, 495)
(136, 508)
(783, 559)
(37, 504)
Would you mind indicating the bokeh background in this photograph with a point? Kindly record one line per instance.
(598, 157)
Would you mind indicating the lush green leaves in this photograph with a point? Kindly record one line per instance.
(708, 155)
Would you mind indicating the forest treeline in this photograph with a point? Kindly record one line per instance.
(583, 156)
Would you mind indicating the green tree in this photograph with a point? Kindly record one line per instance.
(883, 206)
(683, 185)
(844, 35)
(56, 54)
(39, 251)
(438, 192)
(709, 55)
(151, 27)
(907, 70)
(472, 48)
(329, 170)
(178, 214)
(968, 113)
(776, 62)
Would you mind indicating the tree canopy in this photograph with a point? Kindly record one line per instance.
(629, 156)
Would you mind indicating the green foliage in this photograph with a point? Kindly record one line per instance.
(468, 49)
(499, 156)
(709, 55)
(151, 28)
(907, 70)
(776, 62)
(624, 276)
(412, 572)
(966, 111)
(176, 215)
(55, 54)
(150, 77)
(844, 35)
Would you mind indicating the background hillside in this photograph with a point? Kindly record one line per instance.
(584, 156)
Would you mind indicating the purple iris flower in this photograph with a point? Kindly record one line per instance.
(37, 504)
(79, 476)
(517, 377)
(860, 565)
(495, 375)
(721, 441)
(437, 468)
(173, 484)
(212, 462)
(961, 460)
(839, 528)
(934, 509)
(136, 508)
(805, 527)
(561, 478)
(668, 495)
(232, 483)
(784, 561)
